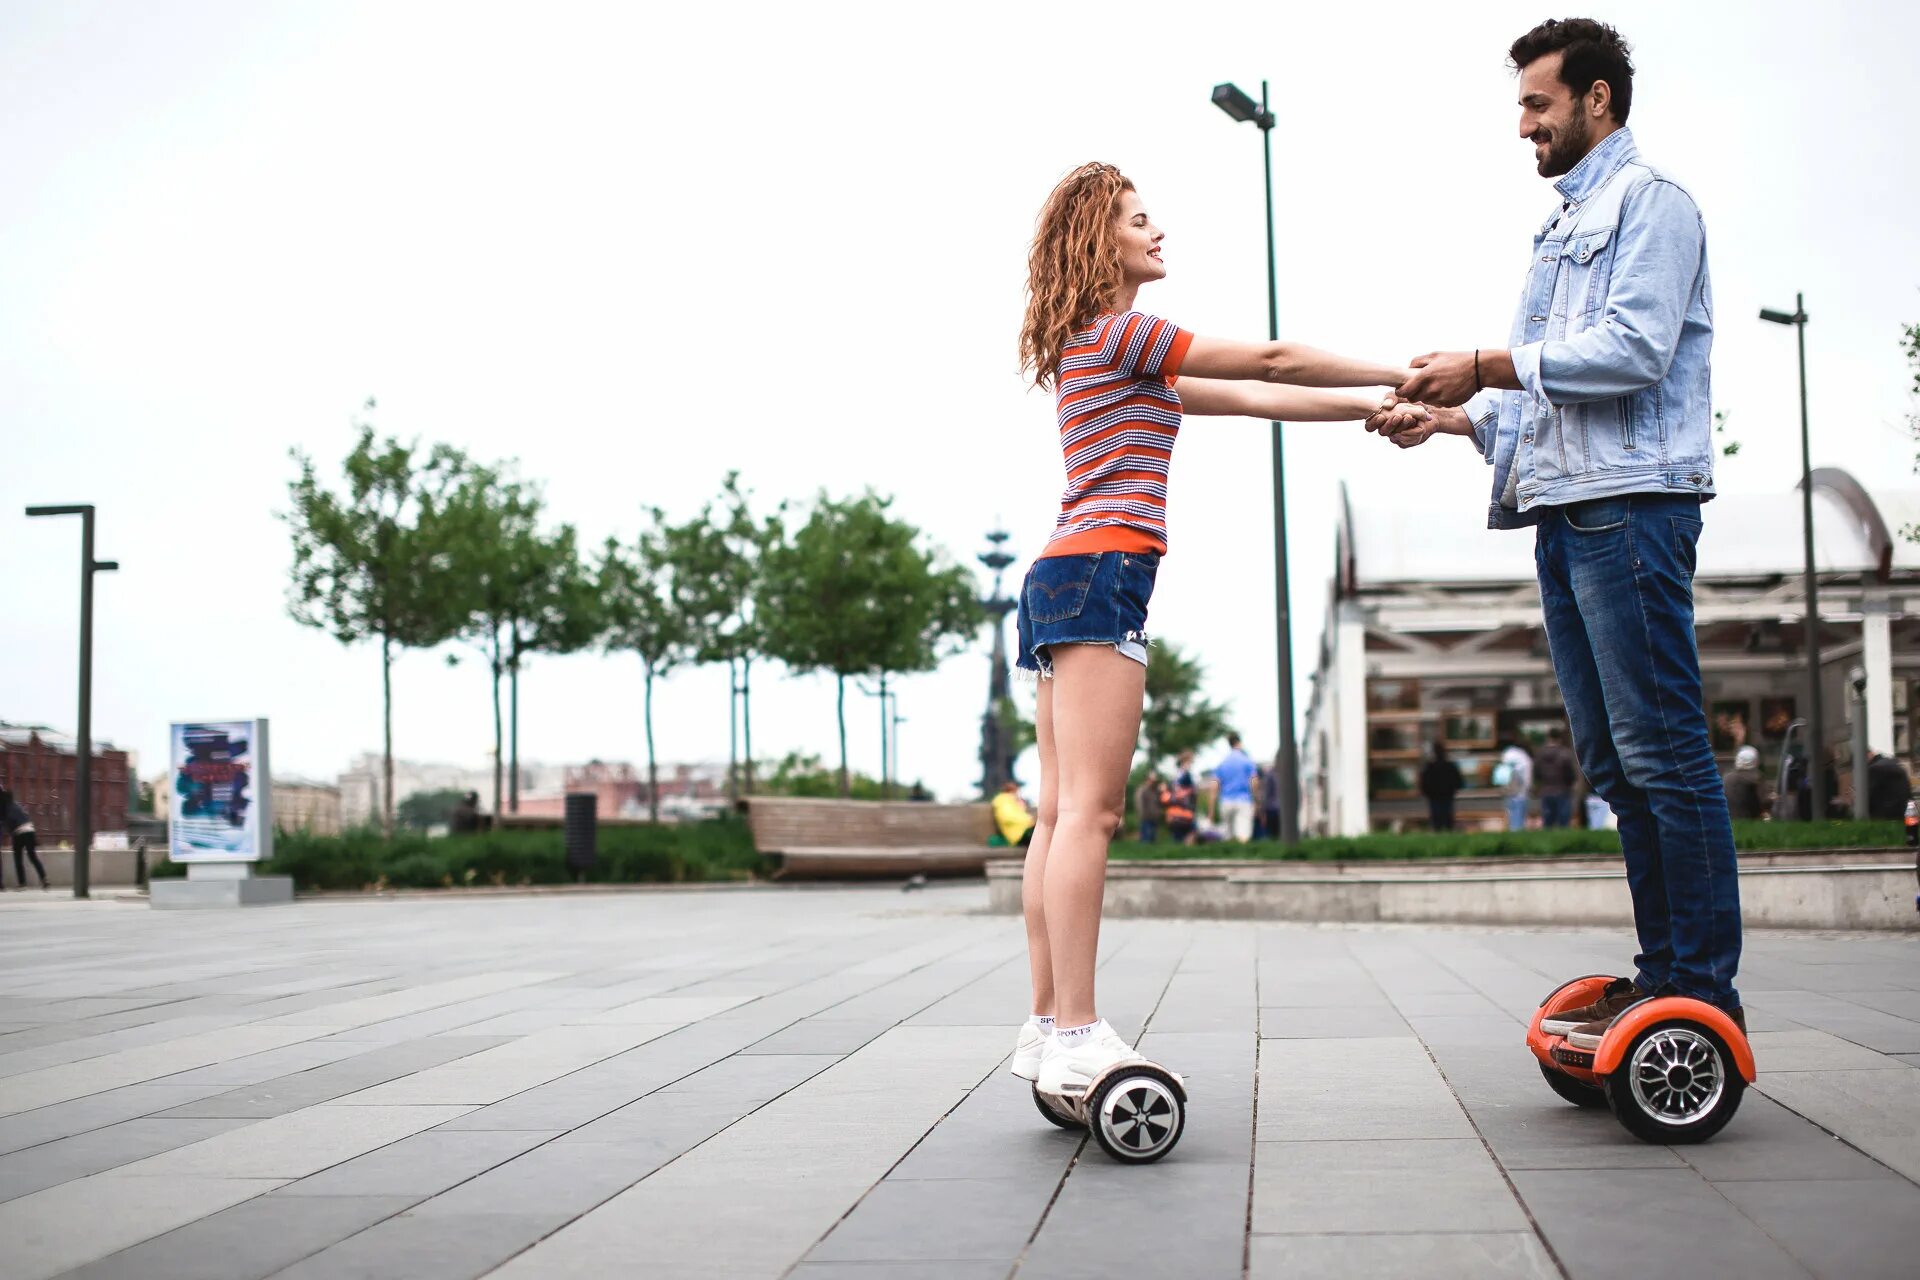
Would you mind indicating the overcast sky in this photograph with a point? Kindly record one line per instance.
(637, 246)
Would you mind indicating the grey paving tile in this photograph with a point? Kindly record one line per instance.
(1316, 1188)
(99, 1150)
(901, 1271)
(820, 1035)
(1877, 1111)
(946, 1219)
(248, 1241)
(1810, 1050)
(557, 1180)
(1676, 1217)
(1510, 1255)
(1334, 1023)
(293, 1145)
(65, 1119)
(419, 1166)
(1837, 1228)
(754, 1078)
(78, 1222)
(1767, 1143)
(365, 1068)
(425, 1248)
(1385, 1087)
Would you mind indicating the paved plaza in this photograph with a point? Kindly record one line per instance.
(811, 1083)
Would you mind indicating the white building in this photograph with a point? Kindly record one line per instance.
(360, 784)
(1434, 630)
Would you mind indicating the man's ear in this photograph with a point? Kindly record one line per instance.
(1600, 99)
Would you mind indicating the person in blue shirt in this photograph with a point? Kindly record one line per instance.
(1233, 791)
(1596, 417)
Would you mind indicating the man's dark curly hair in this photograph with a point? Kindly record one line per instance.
(1593, 51)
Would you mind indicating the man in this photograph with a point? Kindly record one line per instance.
(1440, 782)
(1148, 807)
(18, 826)
(1888, 788)
(1181, 801)
(1514, 774)
(1554, 773)
(1012, 817)
(1233, 781)
(1596, 420)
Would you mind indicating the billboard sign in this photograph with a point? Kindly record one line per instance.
(222, 805)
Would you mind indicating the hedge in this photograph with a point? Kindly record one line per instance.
(1753, 837)
(666, 854)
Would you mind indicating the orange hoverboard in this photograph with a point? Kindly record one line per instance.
(1671, 1068)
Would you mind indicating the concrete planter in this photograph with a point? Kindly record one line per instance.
(1800, 889)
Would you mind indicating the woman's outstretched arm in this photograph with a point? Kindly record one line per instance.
(1216, 397)
(1287, 362)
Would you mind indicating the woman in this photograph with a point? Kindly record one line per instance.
(1083, 606)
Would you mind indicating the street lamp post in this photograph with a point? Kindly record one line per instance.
(83, 746)
(1233, 100)
(1816, 717)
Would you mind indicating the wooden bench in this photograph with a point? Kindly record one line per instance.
(870, 837)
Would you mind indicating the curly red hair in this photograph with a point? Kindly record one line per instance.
(1073, 267)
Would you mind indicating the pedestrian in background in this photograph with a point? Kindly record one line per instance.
(1233, 785)
(1888, 788)
(1440, 782)
(1270, 798)
(1748, 795)
(1147, 804)
(1555, 772)
(26, 843)
(1181, 801)
(1514, 776)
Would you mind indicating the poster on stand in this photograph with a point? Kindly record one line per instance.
(222, 803)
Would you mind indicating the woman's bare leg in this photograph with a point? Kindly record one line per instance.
(1096, 727)
(1039, 954)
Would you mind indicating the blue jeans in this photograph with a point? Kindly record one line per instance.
(1616, 584)
(1516, 813)
(1556, 809)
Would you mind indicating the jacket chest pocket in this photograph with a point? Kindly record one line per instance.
(1589, 260)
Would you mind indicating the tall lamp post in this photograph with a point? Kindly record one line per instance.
(1233, 100)
(1816, 715)
(83, 746)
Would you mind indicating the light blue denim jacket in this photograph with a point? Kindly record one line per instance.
(1611, 343)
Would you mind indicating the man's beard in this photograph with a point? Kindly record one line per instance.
(1568, 148)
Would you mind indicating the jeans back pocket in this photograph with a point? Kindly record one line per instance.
(1057, 587)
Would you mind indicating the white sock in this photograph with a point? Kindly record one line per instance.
(1069, 1036)
(1044, 1021)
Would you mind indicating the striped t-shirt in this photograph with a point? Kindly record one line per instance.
(1119, 415)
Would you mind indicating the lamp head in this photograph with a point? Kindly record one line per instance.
(1233, 100)
(1782, 317)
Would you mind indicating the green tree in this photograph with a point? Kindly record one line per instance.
(638, 616)
(854, 594)
(1177, 716)
(718, 558)
(425, 809)
(558, 613)
(371, 561)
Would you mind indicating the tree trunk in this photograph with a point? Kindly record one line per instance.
(498, 760)
(886, 772)
(746, 716)
(653, 767)
(386, 706)
(840, 709)
(513, 734)
(733, 736)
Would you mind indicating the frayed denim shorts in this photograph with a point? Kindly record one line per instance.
(1099, 598)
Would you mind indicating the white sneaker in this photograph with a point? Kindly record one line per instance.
(1030, 1048)
(1069, 1070)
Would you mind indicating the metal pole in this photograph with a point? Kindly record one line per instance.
(1282, 594)
(1816, 712)
(83, 752)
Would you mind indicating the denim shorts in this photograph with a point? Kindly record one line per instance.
(1100, 598)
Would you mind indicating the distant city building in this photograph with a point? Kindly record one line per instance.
(360, 784)
(687, 791)
(39, 766)
(1434, 633)
(306, 806)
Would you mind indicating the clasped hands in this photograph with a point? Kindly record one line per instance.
(1438, 381)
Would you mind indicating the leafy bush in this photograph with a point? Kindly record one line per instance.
(717, 850)
(1751, 837)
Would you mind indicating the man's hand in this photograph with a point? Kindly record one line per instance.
(1449, 378)
(1395, 416)
(1440, 377)
(1448, 422)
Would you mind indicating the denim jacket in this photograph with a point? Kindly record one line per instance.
(1611, 343)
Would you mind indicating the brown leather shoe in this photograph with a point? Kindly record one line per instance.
(1588, 1035)
(1619, 994)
